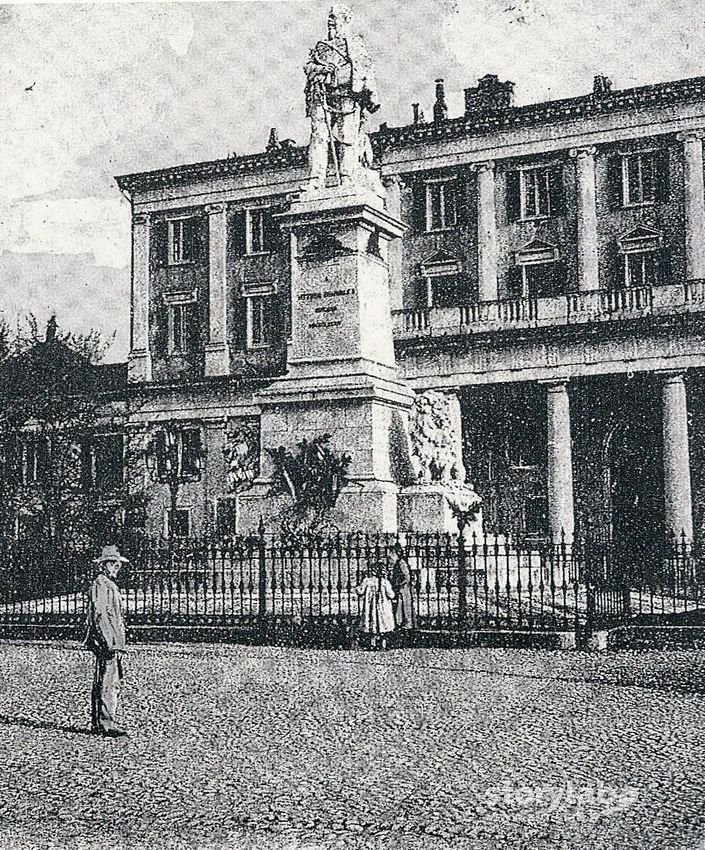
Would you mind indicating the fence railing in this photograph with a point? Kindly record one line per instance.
(491, 582)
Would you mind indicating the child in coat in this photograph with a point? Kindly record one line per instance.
(376, 612)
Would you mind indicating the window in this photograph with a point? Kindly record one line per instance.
(536, 514)
(643, 260)
(182, 240)
(258, 232)
(638, 179)
(181, 321)
(641, 268)
(535, 193)
(179, 316)
(445, 291)
(441, 205)
(260, 321)
(544, 280)
(177, 523)
(35, 460)
(226, 515)
(108, 461)
(177, 453)
(190, 452)
(538, 272)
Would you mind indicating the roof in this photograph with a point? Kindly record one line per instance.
(679, 92)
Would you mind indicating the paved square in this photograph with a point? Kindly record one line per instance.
(235, 747)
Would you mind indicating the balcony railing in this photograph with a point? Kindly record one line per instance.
(599, 305)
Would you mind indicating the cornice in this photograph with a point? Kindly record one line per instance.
(679, 92)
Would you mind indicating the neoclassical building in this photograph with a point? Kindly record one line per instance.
(549, 276)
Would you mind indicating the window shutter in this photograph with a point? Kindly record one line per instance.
(515, 282)
(199, 238)
(160, 240)
(664, 266)
(272, 233)
(560, 278)
(461, 202)
(161, 329)
(513, 196)
(418, 211)
(241, 324)
(614, 182)
(556, 189)
(193, 328)
(662, 175)
(161, 452)
(239, 223)
(619, 279)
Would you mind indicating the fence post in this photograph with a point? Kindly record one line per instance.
(462, 575)
(262, 573)
(589, 588)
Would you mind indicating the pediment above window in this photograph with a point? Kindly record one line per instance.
(640, 238)
(536, 251)
(440, 264)
(183, 296)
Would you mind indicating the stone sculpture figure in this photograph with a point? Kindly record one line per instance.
(241, 453)
(340, 93)
(435, 453)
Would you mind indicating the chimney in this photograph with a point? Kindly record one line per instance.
(601, 85)
(273, 143)
(415, 110)
(489, 96)
(440, 108)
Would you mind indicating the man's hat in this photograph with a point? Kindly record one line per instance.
(111, 553)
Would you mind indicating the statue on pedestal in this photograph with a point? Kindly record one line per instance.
(435, 454)
(340, 93)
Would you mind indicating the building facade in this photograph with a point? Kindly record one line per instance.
(551, 280)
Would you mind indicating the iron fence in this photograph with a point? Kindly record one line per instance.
(493, 583)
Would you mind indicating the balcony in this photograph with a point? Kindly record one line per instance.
(575, 308)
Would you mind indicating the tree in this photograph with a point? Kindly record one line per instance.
(313, 477)
(50, 399)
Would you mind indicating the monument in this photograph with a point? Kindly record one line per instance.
(342, 379)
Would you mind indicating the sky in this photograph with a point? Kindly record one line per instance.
(88, 91)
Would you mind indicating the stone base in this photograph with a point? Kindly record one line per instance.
(424, 508)
(217, 359)
(370, 508)
(139, 366)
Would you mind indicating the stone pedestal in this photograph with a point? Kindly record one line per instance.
(424, 509)
(342, 377)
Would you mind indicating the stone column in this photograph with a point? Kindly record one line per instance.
(561, 519)
(486, 232)
(217, 355)
(676, 457)
(586, 215)
(140, 358)
(394, 187)
(694, 204)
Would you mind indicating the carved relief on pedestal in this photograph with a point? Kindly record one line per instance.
(241, 449)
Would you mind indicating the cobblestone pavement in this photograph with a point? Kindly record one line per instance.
(234, 747)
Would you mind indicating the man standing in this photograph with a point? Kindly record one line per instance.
(106, 640)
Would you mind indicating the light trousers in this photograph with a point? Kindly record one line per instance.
(104, 697)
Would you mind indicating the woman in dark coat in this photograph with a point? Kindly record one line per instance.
(404, 612)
